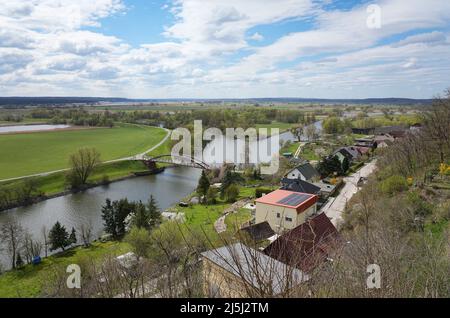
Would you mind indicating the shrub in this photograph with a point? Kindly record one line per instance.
(260, 191)
(394, 184)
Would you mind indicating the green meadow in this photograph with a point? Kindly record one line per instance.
(32, 153)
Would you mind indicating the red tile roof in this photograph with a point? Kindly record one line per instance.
(306, 246)
(274, 197)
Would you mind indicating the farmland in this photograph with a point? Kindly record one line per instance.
(32, 153)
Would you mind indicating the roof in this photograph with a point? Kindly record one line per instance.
(349, 152)
(307, 170)
(289, 199)
(307, 245)
(388, 129)
(259, 231)
(298, 185)
(363, 150)
(256, 268)
(325, 187)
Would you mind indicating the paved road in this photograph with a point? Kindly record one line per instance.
(135, 157)
(335, 207)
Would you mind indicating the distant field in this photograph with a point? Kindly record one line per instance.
(25, 154)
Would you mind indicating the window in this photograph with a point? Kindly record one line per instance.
(288, 219)
(278, 215)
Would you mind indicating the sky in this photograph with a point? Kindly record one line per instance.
(225, 49)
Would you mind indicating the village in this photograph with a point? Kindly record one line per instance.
(294, 228)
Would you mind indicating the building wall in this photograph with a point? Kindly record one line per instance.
(219, 283)
(276, 216)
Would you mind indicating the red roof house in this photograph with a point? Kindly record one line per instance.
(307, 245)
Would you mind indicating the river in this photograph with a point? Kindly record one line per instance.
(71, 210)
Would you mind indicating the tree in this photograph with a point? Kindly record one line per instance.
(73, 237)
(30, 247)
(436, 124)
(58, 237)
(140, 241)
(140, 217)
(211, 196)
(229, 179)
(333, 125)
(114, 215)
(232, 193)
(82, 164)
(11, 235)
(154, 212)
(44, 232)
(329, 165)
(85, 230)
(19, 261)
(311, 132)
(345, 165)
(203, 184)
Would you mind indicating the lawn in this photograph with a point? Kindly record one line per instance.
(28, 281)
(202, 217)
(275, 124)
(31, 153)
(56, 182)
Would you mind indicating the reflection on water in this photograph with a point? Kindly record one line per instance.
(72, 210)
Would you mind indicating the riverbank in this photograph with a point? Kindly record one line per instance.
(55, 185)
(29, 281)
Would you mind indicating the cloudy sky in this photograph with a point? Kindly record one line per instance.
(224, 48)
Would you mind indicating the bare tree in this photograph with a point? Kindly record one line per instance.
(85, 230)
(31, 247)
(45, 232)
(11, 235)
(82, 164)
(311, 132)
(437, 122)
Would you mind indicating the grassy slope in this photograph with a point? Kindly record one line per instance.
(55, 183)
(28, 281)
(25, 154)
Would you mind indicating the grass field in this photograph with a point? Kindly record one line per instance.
(29, 280)
(56, 182)
(26, 154)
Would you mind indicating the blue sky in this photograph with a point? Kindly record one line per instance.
(225, 49)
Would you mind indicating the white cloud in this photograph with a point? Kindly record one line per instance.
(209, 50)
(256, 37)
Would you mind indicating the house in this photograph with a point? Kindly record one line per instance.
(298, 185)
(285, 210)
(258, 232)
(365, 142)
(237, 271)
(363, 150)
(306, 246)
(326, 189)
(383, 140)
(363, 131)
(351, 153)
(389, 129)
(305, 172)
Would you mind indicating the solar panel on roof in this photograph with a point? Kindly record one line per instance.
(294, 199)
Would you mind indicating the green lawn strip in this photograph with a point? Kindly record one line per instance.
(56, 182)
(28, 281)
(163, 149)
(275, 124)
(202, 216)
(31, 153)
